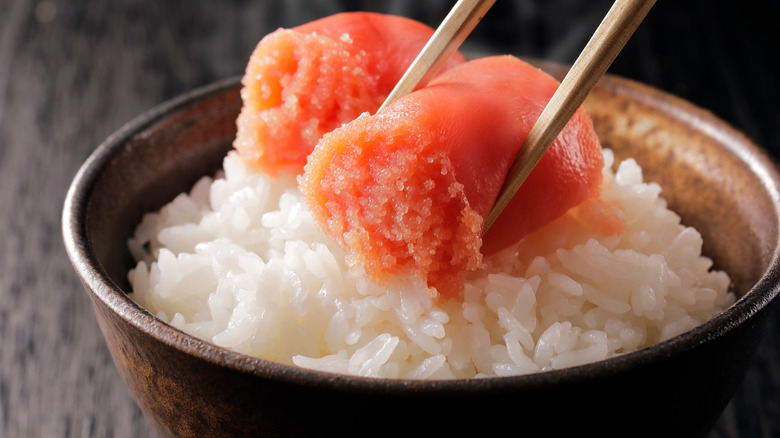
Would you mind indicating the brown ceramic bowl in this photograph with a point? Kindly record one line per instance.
(711, 174)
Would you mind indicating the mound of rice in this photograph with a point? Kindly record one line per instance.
(239, 262)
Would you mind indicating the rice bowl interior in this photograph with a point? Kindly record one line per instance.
(238, 261)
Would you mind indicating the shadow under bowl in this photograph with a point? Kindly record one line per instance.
(712, 175)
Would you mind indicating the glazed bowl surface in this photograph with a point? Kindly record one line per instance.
(711, 174)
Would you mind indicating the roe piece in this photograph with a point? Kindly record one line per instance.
(304, 82)
(406, 190)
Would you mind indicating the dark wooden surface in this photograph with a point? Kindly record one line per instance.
(71, 72)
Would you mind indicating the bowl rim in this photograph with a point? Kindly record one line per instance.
(101, 287)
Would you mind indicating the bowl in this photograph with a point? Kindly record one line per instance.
(711, 174)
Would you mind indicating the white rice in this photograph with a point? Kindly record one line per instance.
(240, 262)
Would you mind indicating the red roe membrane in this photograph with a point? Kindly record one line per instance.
(304, 82)
(406, 191)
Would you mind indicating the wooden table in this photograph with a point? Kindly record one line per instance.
(71, 72)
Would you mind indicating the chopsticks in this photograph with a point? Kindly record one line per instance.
(457, 25)
(617, 27)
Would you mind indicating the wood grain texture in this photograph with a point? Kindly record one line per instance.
(72, 72)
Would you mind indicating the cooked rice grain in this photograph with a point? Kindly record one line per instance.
(239, 262)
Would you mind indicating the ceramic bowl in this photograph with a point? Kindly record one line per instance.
(711, 174)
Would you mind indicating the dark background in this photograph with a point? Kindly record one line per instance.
(72, 72)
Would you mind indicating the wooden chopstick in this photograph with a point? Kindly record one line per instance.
(458, 24)
(617, 27)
